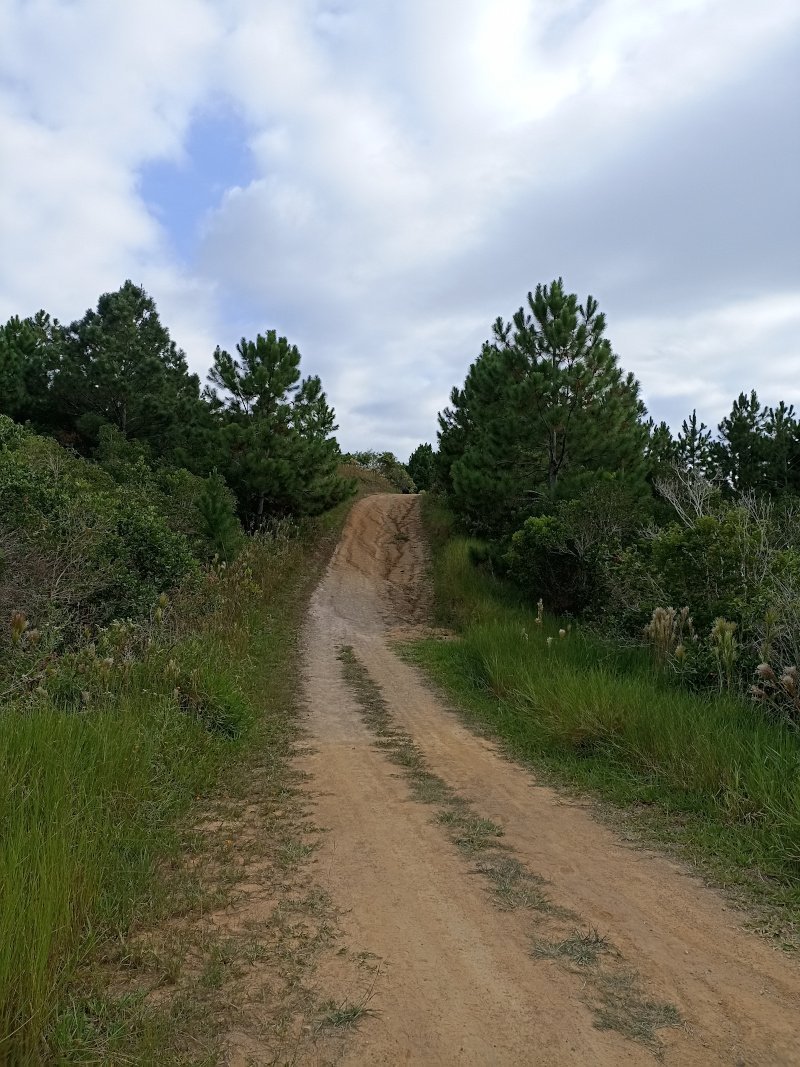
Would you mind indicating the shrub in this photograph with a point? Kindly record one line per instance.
(543, 562)
(203, 510)
(75, 547)
(699, 565)
(387, 465)
(220, 527)
(566, 557)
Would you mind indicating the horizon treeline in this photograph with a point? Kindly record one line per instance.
(691, 540)
(115, 381)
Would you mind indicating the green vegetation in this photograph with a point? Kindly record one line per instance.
(690, 544)
(384, 464)
(344, 1016)
(82, 543)
(275, 432)
(706, 772)
(90, 799)
(116, 374)
(543, 408)
(156, 542)
(421, 467)
(141, 629)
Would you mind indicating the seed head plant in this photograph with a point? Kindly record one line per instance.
(19, 624)
(726, 650)
(668, 631)
(780, 693)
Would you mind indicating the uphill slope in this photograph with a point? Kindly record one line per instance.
(555, 943)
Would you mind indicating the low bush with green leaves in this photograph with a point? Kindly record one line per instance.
(722, 776)
(385, 464)
(106, 744)
(82, 543)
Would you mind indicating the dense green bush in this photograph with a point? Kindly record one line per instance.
(421, 467)
(702, 565)
(77, 548)
(202, 509)
(543, 563)
(566, 557)
(387, 465)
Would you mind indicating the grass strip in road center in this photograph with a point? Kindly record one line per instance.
(611, 989)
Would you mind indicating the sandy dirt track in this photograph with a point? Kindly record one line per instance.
(457, 982)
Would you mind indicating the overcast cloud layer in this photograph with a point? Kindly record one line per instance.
(379, 180)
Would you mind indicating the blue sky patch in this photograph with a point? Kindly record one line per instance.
(180, 194)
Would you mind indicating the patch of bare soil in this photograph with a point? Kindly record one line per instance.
(615, 956)
(230, 976)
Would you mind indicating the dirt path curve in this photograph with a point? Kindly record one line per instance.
(457, 981)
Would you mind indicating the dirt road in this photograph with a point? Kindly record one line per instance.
(458, 979)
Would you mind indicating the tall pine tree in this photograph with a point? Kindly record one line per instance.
(693, 445)
(739, 454)
(30, 356)
(121, 368)
(543, 407)
(782, 431)
(279, 454)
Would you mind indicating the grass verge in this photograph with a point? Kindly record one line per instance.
(706, 776)
(98, 773)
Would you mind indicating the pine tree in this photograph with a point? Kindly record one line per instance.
(278, 453)
(455, 430)
(782, 448)
(30, 354)
(693, 446)
(661, 453)
(318, 454)
(421, 466)
(497, 474)
(13, 392)
(739, 454)
(121, 368)
(220, 525)
(543, 406)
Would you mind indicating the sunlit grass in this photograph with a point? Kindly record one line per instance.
(710, 769)
(90, 799)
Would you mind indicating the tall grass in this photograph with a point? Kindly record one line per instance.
(91, 792)
(598, 714)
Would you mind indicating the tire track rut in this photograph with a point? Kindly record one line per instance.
(458, 982)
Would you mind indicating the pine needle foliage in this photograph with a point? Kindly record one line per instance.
(544, 403)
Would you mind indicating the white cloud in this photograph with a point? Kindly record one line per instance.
(703, 360)
(90, 91)
(419, 167)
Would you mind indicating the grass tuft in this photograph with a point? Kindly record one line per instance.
(706, 776)
(580, 948)
(620, 1005)
(513, 886)
(344, 1016)
(93, 802)
(469, 832)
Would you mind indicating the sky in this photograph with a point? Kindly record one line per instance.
(379, 180)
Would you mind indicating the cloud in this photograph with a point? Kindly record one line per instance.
(717, 354)
(411, 171)
(89, 92)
